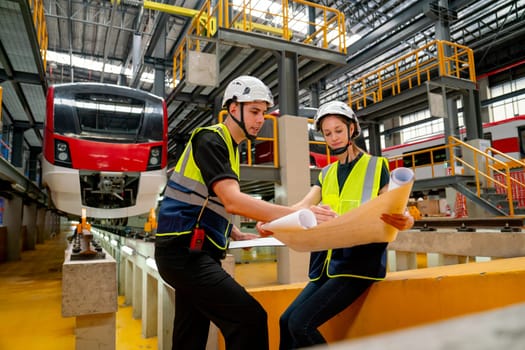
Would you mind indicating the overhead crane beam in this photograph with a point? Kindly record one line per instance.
(192, 13)
(170, 9)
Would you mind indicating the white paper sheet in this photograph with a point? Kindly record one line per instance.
(259, 242)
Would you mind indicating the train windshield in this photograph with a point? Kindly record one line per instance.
(99, 116)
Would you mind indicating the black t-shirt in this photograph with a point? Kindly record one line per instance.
(212, 157)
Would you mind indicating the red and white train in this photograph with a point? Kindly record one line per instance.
(506, 136)
(105, 149)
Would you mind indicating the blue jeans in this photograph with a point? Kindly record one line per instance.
(318, 302)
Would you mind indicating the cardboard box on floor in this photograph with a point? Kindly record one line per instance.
(428, 207)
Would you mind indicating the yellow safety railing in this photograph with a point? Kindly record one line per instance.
(437, 58)
(512, 162)
(261, 138)
(409, 159)
(281, 19)
(287, 20)
(204, 24)
(39, 20)
(492, 166)
(488, 171)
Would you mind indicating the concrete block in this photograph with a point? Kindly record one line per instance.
(89, 286)
(95, 332)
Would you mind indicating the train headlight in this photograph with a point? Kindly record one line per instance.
(62, 153)
(154, 161)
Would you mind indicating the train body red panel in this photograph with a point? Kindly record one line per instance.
(506, 136)
(109, 157)
(105, 149)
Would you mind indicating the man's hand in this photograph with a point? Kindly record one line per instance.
(238, 235)
(262, 232)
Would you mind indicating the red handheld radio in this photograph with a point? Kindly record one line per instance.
(197, 238)
(198, 234)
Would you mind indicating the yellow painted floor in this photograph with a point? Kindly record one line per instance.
(30, 302)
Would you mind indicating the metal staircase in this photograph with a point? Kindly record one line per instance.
(485, 178)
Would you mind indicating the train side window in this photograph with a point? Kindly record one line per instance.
(423, 158)
(521, 139)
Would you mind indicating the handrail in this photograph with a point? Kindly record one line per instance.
(203, 24)
(454, 142)
(413, 155)
(273, 138)
(513, 164)
(495, 172)
(436, 58)
(277, 21)
(39, 20)
(511, 160)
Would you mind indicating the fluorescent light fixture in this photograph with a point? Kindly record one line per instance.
(114, 243)
(82, 62)
(18, 187)
(151, 263)
(106, 238)
(127, 250)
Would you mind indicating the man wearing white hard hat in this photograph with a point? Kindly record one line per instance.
(195, 224)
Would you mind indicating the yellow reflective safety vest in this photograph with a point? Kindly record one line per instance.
(186, 195)
(362, 184)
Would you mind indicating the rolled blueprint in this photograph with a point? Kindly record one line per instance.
(301, 219)
(400, 177)
(361, 225)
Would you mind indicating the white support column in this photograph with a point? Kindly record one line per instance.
(136, 294)
(149, 304)
(292, 266)
(166, 315)
(40, 224)
(29, 221)
(406, 261)
(128, 288)
(445, 259)
(13, 222)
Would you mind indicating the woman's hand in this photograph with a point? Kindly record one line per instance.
(400, 221)
(323, 213)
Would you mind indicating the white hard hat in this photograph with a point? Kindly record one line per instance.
(337, 108)
(247, 89)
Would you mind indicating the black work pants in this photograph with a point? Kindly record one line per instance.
(204, 292)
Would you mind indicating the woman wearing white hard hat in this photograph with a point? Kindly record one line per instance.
(195, 224)
(339, 276)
